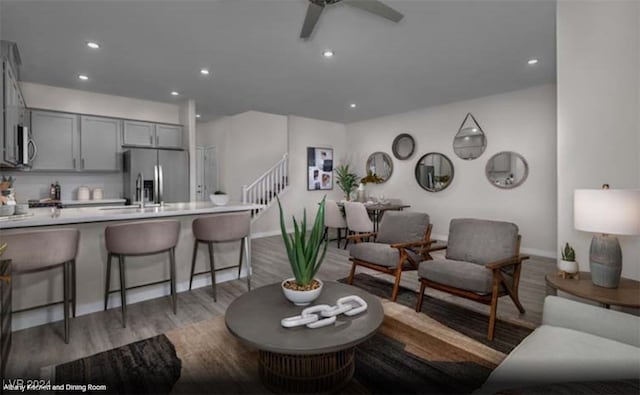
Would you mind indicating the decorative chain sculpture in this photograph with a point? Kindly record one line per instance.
(322, 315)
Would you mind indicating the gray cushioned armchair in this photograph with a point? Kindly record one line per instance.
(482, 263)
(402, 241)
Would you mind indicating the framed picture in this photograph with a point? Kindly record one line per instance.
(319, 169)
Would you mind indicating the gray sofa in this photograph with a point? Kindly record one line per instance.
(575, 343)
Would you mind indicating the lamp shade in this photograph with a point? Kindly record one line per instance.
(608, 211)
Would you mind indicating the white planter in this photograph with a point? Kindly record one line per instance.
(219, 200)
(301, 298)
(568, 266)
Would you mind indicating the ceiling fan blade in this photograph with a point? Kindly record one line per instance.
(313, 14)
(376, 7)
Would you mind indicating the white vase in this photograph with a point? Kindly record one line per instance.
(568, 266)
(301, 298)
(219, 200)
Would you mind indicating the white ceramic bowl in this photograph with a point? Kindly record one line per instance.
(301, 298)
(219, 200)
(568, 266)
(7, 209)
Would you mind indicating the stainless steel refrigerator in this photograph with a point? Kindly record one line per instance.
(165, 175)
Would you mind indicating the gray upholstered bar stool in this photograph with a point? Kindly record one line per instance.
(220, 228)
(40, 250)
(138, 239)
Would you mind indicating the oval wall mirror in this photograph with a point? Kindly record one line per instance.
(434, 172)
(379, 167)
(470, 141)
(507, 170)
(403, 146)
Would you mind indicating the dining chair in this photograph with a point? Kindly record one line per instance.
(358, 220)
(333, 218)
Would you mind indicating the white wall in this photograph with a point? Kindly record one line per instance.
(72, 100)
(523, 121)
(598, 111)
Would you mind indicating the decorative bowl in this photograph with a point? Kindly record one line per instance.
(7, 209)
(301, 298)
(219, 200)
(21, 209)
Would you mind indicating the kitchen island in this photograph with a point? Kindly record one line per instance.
(39, 288)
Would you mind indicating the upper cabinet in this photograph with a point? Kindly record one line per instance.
(14, 114)
(144, 134)
(168, 136)
(139, 134)
(99, 143)
(56, 136)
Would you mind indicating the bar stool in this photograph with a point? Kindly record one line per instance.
(40, 250)
(139, 239)
(217, 229)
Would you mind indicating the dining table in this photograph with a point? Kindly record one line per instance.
(377, 209)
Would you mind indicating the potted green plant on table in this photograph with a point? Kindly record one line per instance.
(219, 198)
(346, 180)
(568, 262)
(306, 251)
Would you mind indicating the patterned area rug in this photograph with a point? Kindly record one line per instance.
(465, 321)
(412, 353)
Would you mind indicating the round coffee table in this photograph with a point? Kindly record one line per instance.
(301, 359)
(625, 295)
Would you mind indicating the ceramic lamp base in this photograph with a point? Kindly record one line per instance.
(605, 261)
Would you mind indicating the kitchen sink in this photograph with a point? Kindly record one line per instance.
(130, 207)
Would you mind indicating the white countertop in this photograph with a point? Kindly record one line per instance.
(43, 216)
(93, 202)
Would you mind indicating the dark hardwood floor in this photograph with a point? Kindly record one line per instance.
(43, 346)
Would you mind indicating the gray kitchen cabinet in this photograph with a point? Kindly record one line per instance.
(168, 136)
(14, 114)
(99, 143)
(139, 134)
(56, 136)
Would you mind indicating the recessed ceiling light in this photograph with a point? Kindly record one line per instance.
(204, 71)
(352, 105)
(83, 77)
(474, 130)
(93, 45)
(174, 93)
(328, 53)
(531, 62)
(197, 115)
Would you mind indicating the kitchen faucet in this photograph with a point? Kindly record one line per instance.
(140, 189)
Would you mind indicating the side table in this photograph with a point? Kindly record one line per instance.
(5, 313)
(626, 295)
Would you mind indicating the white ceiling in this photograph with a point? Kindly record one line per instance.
(442, 51)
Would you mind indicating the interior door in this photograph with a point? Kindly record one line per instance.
(210, 171)
(175, 165)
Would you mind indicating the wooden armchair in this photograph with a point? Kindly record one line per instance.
(482, 263)
(401, 243)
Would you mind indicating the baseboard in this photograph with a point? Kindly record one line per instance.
(50, 314)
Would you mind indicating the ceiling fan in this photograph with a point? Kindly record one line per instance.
(373, 6)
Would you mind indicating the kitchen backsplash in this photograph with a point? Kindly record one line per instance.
(36, 185)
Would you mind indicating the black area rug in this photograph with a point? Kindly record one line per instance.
(147, 366)
(465, 321)
(384, 367)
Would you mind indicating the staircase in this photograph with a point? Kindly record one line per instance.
(274, 182)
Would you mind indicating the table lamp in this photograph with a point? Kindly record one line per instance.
(606, 212)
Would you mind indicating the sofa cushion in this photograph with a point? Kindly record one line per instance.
(559, 355)
(462, 275)
(481, 241)
(379, 254)
(402, 227)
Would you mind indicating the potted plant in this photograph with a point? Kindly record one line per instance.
(568, 262)
(306, 251)
(219, 198)
(346, 180)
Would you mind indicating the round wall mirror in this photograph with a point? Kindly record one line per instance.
(434, 172)
(470, 141)
(507, 170)
(403, 146)
(379, 167)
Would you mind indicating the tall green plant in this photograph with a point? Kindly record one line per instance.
(304, 252)
(346, 179)
(568, 253)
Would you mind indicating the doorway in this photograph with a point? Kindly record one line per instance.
(206, 172)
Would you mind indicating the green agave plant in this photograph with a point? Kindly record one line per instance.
(303, 247)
